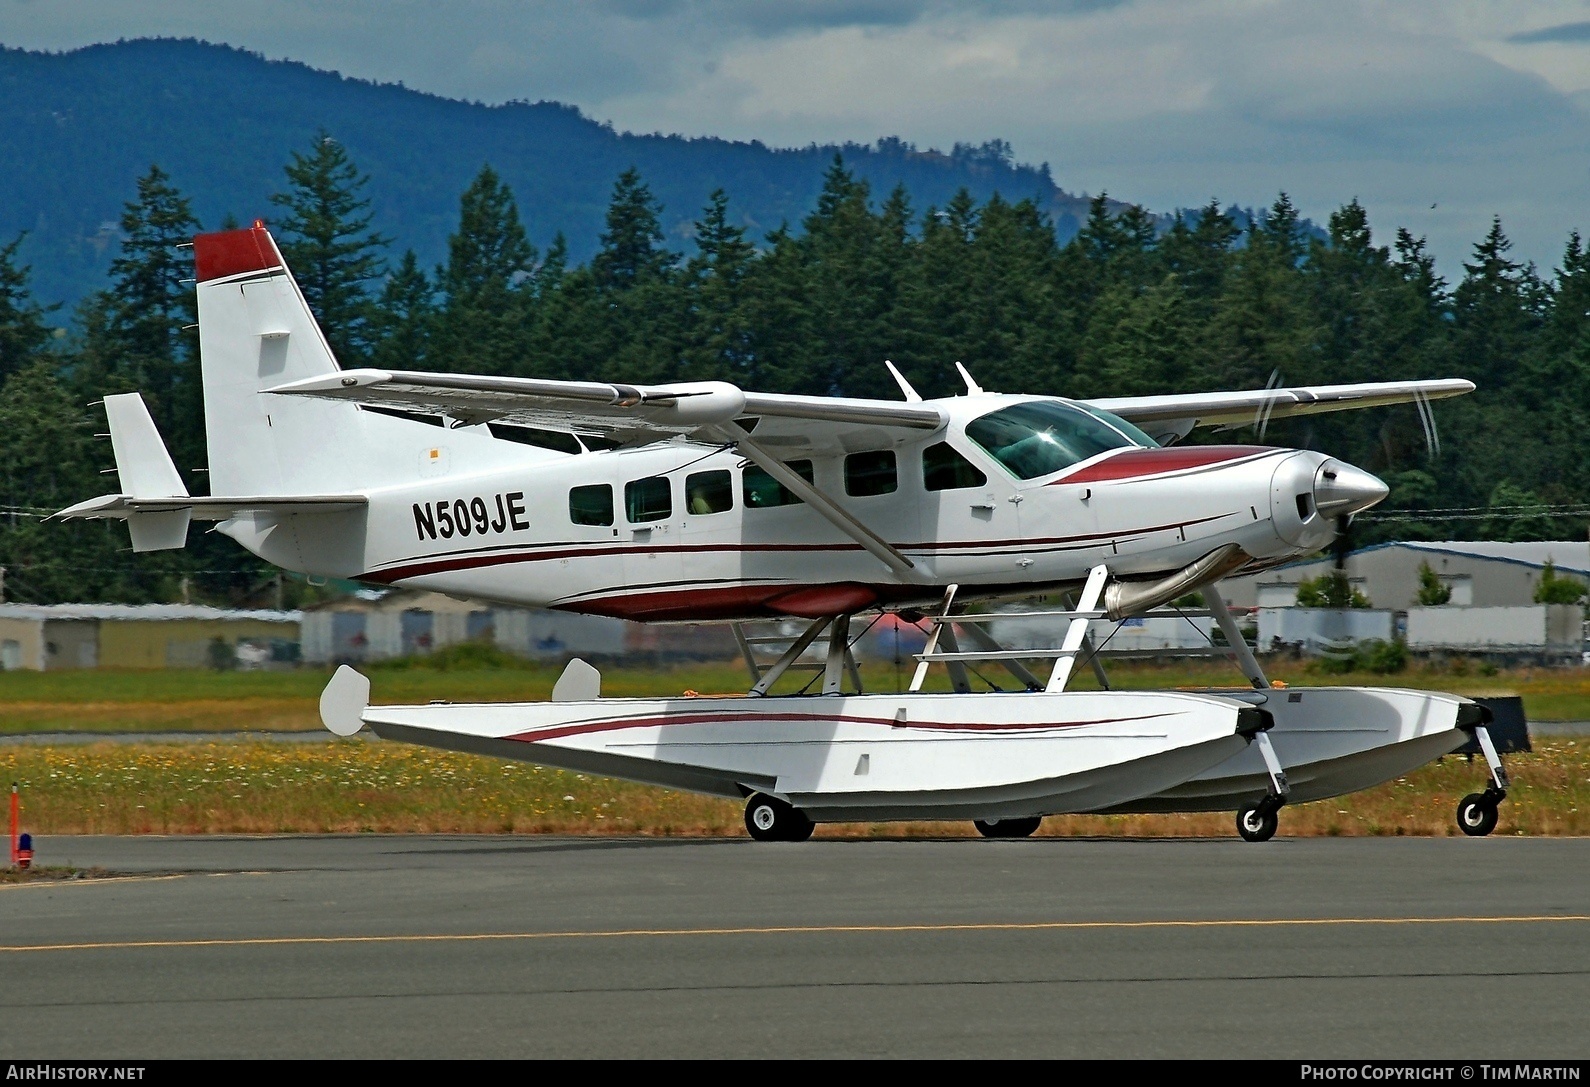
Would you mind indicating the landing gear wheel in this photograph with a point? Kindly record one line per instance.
(1477, 814)
(1007, 828)
(771, 820)
(1257, 823)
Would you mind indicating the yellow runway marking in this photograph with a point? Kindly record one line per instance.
(791, 930)
(90, 881)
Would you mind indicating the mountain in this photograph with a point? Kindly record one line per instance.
(77, 128)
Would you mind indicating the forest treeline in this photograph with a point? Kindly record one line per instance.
(1126, 306)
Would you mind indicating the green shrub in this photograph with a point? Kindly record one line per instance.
(1330, 590)
(1382, 658)
(1432, 590)
(1553, 589)
(1377, 656)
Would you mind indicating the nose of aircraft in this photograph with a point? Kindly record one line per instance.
(1342, 490)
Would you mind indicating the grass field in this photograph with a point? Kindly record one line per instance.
(188, 701)
(269, 787)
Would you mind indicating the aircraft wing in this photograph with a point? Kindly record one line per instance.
(789, 424)
(1180, 413)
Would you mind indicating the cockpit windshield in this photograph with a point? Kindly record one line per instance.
(1043, 436)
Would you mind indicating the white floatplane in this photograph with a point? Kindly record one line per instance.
(703, 501)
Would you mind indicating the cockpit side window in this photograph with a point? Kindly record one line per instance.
(1041, 437)
(943, 469)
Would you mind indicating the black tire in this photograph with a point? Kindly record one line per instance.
(1256, 823)
(768, 819)
(1477, 815)
(1007, 828)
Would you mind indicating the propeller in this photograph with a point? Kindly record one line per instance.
(1342, 546)
(1432, 436)
(1261, 416)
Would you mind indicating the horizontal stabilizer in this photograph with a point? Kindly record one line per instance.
(206, 508)
(142, 462)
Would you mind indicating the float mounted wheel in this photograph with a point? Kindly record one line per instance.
(1257, 823)
(1477, 815)
(771, 820)
(1007, 828)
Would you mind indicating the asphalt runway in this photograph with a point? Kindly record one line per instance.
(410, 946)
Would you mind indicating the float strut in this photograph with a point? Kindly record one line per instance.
(1279, 789)
(933, 639)
(791, 655)
(1239, 645)
(1499, 780)
(1077, 632)
(838, 652)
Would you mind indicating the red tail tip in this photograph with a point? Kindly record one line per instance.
(233, 252)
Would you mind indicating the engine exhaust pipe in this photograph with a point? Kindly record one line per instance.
(1124, 599)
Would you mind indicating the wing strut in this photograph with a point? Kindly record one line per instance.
(880, 548)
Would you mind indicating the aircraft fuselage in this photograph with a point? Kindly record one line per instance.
(680, 530)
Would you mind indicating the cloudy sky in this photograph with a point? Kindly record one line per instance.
(1437, 115)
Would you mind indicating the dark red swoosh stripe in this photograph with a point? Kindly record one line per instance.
(1137, 463)
(618, 723)
(477, 557)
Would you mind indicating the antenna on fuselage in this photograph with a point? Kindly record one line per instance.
(911, 395)
(972, 387)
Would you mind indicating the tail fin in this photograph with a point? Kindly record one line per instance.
(146, 471)
(255, 332)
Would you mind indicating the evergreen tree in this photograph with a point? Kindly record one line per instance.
(1199, 256)
(403, 317)
(1265, 326)
(47, 462)
(327, 242)
(148, 342)
(632, 251)
(1280, 230)
(486, 305)
(23, 332)
(720, 336)
(1493, 310)
(852, 260)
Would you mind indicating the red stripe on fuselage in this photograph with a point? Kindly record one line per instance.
(1138, 463)
(451, 561)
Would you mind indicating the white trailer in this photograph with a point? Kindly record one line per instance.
(1552, 629)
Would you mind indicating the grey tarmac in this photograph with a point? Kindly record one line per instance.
(452, 946)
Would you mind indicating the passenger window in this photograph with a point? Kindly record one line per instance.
(592, 505)
(944, 469)
(709, 492)
(761, 490)
(648, 499)
(870, 473)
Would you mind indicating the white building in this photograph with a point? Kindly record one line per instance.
(1480, 574)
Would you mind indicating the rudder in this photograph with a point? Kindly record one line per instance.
(256, 331)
